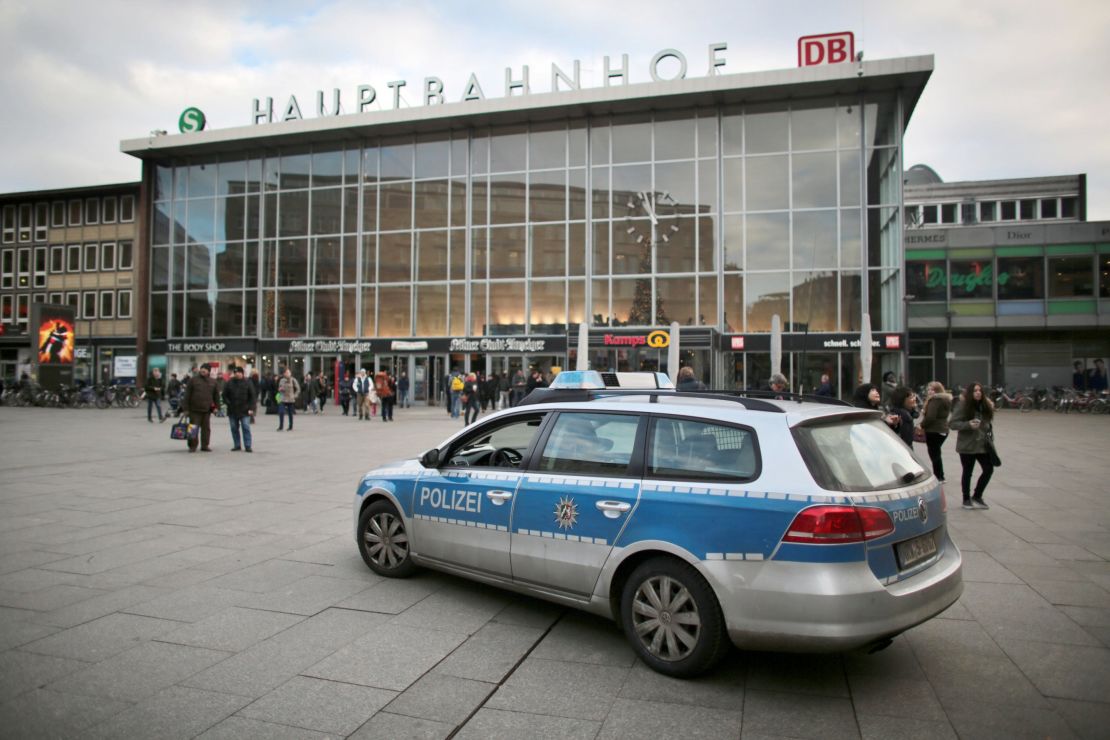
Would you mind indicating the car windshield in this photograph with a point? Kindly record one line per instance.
(857, 455)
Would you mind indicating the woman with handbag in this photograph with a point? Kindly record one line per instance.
(934, 423)
(975, 442)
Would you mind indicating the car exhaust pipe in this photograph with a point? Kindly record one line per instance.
(882, 644)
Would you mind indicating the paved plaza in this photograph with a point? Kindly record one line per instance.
(149, 593)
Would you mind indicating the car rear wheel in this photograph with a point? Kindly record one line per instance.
(384, 541)
(672, 618)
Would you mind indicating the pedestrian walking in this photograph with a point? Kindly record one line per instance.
(384, 387)
(345, 393)
(323, 390)
(504, 383)
(518, 387)
(362, 395)
(934, 422)
(240, 398)
(972, 419)
(153, 391)
(470, 398)
(288, 390)
(200, 402)
(687, 381)
(403, 389)
(457, 385)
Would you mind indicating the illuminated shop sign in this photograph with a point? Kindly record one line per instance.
(517, 82)
(328, 346)
(656, 340)
(497, 344)
(982, 276)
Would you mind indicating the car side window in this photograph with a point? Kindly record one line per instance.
(501, 445)
(695, 450)
(590, 443)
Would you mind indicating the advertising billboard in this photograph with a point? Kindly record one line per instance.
(53, 343)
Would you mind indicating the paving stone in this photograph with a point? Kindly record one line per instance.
(392, 596)
(585, 638)
(798, 715)
(140, 672)
(15, 632)
(232, 630)
(308, 596)
(190, 604)
(574, 690)
(35, 579)
(17, 561)
(721, 688)
(1064, 671)
(974, 718)
(267, 576)
(48, 599)
(1019, 612)
(176, 712)
(270, 663)
(442, 698)
(241, 728)
(634, 718)
(883, 727)
(101, 638)
(390, 657)
(979, 566)
(461, 607)
(1068, 593)
(809, 674)
(1086, 719)
(100, 606)
(491, 652)
(527, 612)
(896, 697)
(956, 677)
(496, 724)
(898, 659)
(387, 726)
(43, 713)
(21, 672)
(314, 704)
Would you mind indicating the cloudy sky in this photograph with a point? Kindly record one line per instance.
(1019, 87)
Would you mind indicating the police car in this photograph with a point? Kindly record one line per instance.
(692, 519)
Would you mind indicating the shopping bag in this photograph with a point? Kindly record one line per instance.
(919, 435)
(180, 430)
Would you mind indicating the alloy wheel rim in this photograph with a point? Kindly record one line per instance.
(665, 618)
(386, 540)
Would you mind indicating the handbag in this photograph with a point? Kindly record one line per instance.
(919, 435)
(184, 430)
(992, 453)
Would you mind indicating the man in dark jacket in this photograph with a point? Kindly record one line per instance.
(153, 392)
(240, 398)
(199, 402)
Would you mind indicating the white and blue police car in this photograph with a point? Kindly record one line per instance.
(692, 519)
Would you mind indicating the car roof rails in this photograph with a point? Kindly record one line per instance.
(579, 395)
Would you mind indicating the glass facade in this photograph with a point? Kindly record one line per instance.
(718, 217)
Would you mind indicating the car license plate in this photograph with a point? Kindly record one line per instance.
(912, 552)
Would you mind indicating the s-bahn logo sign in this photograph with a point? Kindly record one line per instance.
(192, 119)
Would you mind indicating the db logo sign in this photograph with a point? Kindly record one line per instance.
(738, 342)
(828, 48)
(893, 341)
(658, 339)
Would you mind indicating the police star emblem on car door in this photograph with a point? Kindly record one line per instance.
(566, 513)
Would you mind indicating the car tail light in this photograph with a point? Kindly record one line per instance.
(835, 525)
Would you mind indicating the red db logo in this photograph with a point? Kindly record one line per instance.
(828, 48)
(893, 341)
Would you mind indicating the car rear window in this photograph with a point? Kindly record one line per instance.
(857, 455)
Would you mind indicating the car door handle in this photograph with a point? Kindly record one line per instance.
(499, 497)
(613, 509)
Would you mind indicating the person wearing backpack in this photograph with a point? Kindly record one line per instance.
(457, 386)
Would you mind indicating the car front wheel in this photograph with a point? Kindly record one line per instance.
(672, 618)
(383, 541)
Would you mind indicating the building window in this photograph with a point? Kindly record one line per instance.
(127, 208)
(108, 215)
(988, 211)
(1028, 210)
(90, 257)
(88, 304)
(9, 224)
(57, 258)
(1104, 276)
(38, 298)
(929, 214)
(108, 256)
(40, 267)
(73, 258)
(42, 217)
(75, 213)
(25, 215)
(971, 279)
(22, 308)
(1070, 277)
(7, 268)
(126, 256)
(1009, 211)
(73, 299)
(123, 305)
(23, 268)
(58, 214)
(1049, 208)
(107, 304)
(926, 280)
(912, 216)
(6, 303)
(967, 213)
(1069, 207)
(1020, 278)
(948, 213)
(55, 298)
(92, 210)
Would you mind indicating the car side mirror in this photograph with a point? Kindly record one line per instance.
(430, 459)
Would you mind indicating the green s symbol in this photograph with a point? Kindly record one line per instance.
(192, 119)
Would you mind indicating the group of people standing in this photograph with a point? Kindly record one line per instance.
(468, 394)
(971, 416)
(367, 393)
